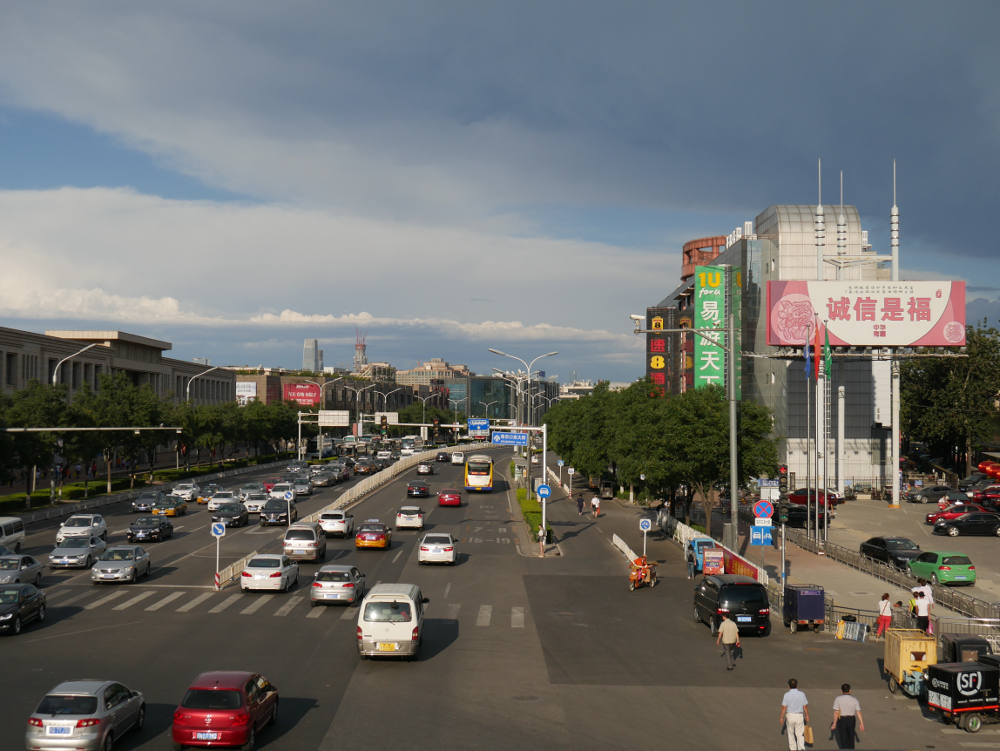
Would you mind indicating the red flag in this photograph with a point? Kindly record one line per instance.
(817, 348)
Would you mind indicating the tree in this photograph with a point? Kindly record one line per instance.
(35, 406)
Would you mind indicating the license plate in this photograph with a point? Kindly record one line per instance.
(387, 646)
(301, 552)
(206, 736)
(58, 730)
(743, 619)
(108, 576)
(959, 577)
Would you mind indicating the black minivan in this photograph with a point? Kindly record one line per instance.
(742, 597)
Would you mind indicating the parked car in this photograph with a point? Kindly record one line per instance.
(83, 525)
(931, 493)
(269, 571)
(896, 551)
(986, 494)
(410, 517)
(437, 547)
(743, 597)
(954, 511)
(338, 523)
(276, 512)
(224, 708)
(798, 516)
(449, 497)
(20, 569)
(805, 496)
(373, 534)
(149, 529)
(233, 514)
(336, 583)
(946, 567)
(121, 563)
(77, 552)
(220, 498)
(973, 523)
(417, 490)
(144, 502)
(85, 714)
(966, 482)
(955, 496)
(20, 604)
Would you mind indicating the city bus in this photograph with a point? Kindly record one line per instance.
(479, 473)
(410, 444)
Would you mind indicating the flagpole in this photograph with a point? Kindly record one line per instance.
(827, 388)
(808, 450)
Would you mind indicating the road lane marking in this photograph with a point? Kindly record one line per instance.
(226, 603)
(132, 601)
(396, 557)
(348, 615)
(517, 617)
(316, 611)
(108, 598)
(447, 589)
(288, 606)
(485, 615)
(453, 608)
(257, 604)
(165, 601)
(70, 600)
(192, 604)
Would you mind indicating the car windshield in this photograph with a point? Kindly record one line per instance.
(377, 529)
(222, 495)
(55, 704)
(264, 563)
(118, 555)
(147, 496)
(147, 521)
(201, 698)
(299, 534)
(478, 468)
(8, 596)
(77, 521)
(743, 595)
(437, 540)
(387, 612)
(231, 508)
(9, 564)
(76, 542)
(956, 560)
(901, 543)
(257, 497)
(332, 576)
(275, 505)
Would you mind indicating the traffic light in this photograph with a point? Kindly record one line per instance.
(437, 421)
(385, 424)
(783, 478)
(783, 513)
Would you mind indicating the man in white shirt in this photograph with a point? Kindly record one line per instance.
(729, 635)
(794, 715)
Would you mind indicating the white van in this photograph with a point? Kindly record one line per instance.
(391, 621)
(12, 532)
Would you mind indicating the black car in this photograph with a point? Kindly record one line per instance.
(973, 523)
(417, 490)
(235, 514)
(742, 597)
(799, 515)
(146, 500)
(443, 456)
(20, 604)
(276, 512)
(896, 551)
(149, 529)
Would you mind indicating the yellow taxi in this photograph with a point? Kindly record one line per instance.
(373, 534)
(171, 507)
(205, 494)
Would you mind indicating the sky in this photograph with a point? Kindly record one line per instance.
(444, 177)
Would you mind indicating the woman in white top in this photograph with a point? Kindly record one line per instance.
(884, 614)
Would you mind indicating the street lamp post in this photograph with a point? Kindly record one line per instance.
(319, 428)
(187, 391)
(527, 367)
(55, 370)
(423, 412)
(488, 405)
(357, 395)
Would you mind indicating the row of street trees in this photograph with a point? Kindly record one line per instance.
(675, 441)
(117, 402)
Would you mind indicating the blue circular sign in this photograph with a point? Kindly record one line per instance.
(544, 491)
(763, 509)
(289, 495)
(218, 529)
(645, 525)
(560, 462)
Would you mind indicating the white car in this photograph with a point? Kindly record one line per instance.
(255, 501)
(269, 571)
(251, 487)
(220, 497)
(410, 517)
(457, 457)
(437, 547)
(383, 455)
(187, 491)
(337, 523)
(83, 525)
(279, 489)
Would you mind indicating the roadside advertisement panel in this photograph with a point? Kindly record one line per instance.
(868, 314)
(246, 391)
(306, 394)
(713, 561)
(709, 313)
(734, 564)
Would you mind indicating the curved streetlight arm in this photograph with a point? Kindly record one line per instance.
(187, 391)
(55, 370)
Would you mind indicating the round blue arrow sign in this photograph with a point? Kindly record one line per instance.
(645, 525)
(218, 529)
(289, 495)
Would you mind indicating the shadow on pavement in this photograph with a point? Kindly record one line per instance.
(439, 634)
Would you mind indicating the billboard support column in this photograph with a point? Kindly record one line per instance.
(894, 452)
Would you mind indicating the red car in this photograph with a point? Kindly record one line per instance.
(270, 483)
(802, 495)
(224, 708)
(449, 497)
(954, 511)
(989, 494)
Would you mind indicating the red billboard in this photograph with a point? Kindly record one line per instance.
(867, 314)
(306, 394)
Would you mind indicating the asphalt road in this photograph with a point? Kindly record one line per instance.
(518, 651)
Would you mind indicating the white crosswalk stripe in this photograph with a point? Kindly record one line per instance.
(259, 602)
(192, 604)
(225, 603)
(60, 601)
(288, 607)
(133, 600)
(164, 602)
(485, 615)
(316, 611)
(104, 600)
(453, 608)
(517, 617)
(348, 614)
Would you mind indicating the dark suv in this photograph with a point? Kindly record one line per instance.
(742, 597)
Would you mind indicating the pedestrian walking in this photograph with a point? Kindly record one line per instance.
(595, 505)
(579, 504)
(729, 637)
(900, 618)
(924, 586)
(692, 564)
(847, 719)
(541, 541)
(794, 716)
(923, 610)
(884, 615)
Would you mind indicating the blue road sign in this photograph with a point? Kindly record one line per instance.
(763, 508)
(767, 483)
(289, 495)
(645, 525)
(510, 439)
(544, 491)
(479, 423)
(218, 529)
(560, 462)
(760, 535)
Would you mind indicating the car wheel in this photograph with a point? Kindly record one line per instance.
(251, 743)
(108, 743)
(135, 575)
(997, 531)
(952, 531)
(793, 626)
(41, 613)
(140, 718)
(88, 563)
(934, 579)
(38, 579)
(15, 627)
(697, 615)
(274, 714)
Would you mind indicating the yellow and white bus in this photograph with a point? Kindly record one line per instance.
(479, 473)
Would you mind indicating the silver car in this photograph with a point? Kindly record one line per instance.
(85, 714)
(145, 501)
(302, 486)
(220, 497)
(335, 583)
(250, 488)
(83, 525)
(255, 501)
(187, 491)
(121, 563)
(337, 523)
(76, 552)
(20, 569)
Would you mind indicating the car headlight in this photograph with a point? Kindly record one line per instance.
(129, 569)
(6, 617)
(6, 579)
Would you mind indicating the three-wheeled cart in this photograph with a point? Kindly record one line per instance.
(963, 648)
(804, 607)
(908, 653)
(964, 693)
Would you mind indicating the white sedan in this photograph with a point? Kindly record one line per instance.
(337, 523)
(269, 571)
(220, 497)
(457, 457)
(410, 517)
(437, 547)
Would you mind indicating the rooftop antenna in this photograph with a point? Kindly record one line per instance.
(841, 226)
(820, 224)
(894, 228)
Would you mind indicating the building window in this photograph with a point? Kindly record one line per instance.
(11, 368)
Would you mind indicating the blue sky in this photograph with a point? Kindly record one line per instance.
(237, 176)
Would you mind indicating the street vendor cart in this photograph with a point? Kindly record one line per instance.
(908, 653)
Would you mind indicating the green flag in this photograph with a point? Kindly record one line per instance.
(827, 357)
